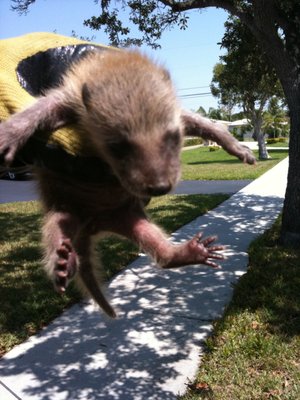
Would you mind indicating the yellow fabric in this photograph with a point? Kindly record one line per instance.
(14, 98)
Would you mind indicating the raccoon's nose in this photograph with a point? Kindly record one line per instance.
(159, 189)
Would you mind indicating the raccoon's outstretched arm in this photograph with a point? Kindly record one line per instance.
(47, 114)
(196, 125)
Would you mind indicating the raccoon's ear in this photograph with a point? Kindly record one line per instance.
(166, 74)
(86, 95)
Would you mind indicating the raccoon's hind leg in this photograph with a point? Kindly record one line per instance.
(60, 258)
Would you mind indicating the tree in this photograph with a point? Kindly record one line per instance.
(275, 25)
(232, 89)
(214, 113)
(221, 89)
(275, 120)
(251, 89)
(220, 113)
(201, 111)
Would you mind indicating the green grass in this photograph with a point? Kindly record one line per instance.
(278, 144)
(203, 164)
(255, 350)
(27, 299)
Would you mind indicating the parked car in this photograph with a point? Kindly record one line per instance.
(17, 176)
(19, 172)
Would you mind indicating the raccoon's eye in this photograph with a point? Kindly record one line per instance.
(120, 149)
(172, 139)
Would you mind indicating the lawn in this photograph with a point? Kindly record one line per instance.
(200, 163)
(254, 353)
(278, 144)
(27, 299)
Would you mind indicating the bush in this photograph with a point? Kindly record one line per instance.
(276, 140)
(282, 140)
(193, 142)
(214, 148)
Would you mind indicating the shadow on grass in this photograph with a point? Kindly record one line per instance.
(19, 226)
(271, 285)
(27, 298)
(206, 162)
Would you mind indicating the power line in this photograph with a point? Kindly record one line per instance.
(194, 95)
(194, 87)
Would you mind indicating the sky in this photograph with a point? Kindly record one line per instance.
(189, 55)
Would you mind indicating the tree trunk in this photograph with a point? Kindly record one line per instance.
(290, 229)
(262, 149)
(259, 135)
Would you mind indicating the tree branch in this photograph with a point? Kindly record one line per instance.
(179, 6)
(21, 6)
(260, 20)
(228, 5)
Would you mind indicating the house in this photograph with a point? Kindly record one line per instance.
(241, 128)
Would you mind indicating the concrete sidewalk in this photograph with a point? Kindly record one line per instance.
(153, 348)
